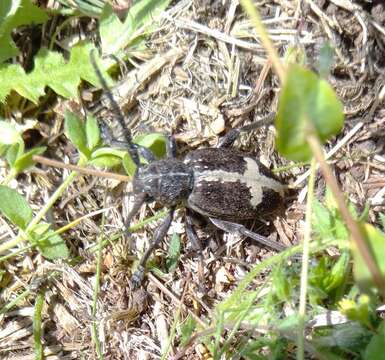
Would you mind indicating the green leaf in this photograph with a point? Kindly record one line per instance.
(64, 82)
(129, 165)
(106, 161)
(322, 220)
(50, 244)
(75, 131)
(92, 132)
(338, 273)
(306, 103)
(375, 240)
(51, 70)
(14, 207)
(25, 161)
(173, 253)
(187, 330)
(115, 35)
(281, 283)
(13, 152)
(108, 151)
(376, 346)
(107, 157)
(155, 142)
(15, 13)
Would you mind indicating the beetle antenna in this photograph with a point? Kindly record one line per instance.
(132, 148)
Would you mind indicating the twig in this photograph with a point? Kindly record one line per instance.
(216, 34)
(79, 169)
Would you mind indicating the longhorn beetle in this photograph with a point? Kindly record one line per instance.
(220, 183)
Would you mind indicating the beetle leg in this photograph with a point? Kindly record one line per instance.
(139, 200)
(233, 134)
(160, 233)
(171, 147)
(191, 233)
(240, 229)
(196, 244)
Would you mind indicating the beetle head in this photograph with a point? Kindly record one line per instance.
(167, 181)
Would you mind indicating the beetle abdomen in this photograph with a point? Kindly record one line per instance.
(230, 185)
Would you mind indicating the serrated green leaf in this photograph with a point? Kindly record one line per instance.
(15, 13)
(129, 165)
(25, 161)
(173, 252)
(50, 244)
(155, 142)
(116, 35)
(112, 30)
(51, 70)
(306, 103)
(92, 132)
(75, 131)
(14, 207)
(375, 240)
(106, 161)
(64, 82)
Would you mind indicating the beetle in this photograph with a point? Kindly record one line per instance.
(222, 184)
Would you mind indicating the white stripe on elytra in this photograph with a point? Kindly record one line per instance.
(252, 178)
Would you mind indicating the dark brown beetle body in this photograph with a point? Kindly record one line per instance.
(215, 182)
(221, 183)
(230, 185)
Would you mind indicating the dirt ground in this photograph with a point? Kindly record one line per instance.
(202, 73)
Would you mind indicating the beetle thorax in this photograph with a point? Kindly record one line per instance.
(167, 181)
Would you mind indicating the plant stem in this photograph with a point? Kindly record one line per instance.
(37, 326)
(352, 225)
(94, 329)
(305, 264)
